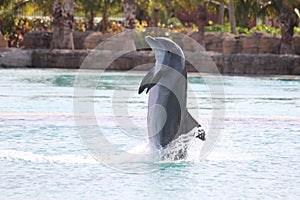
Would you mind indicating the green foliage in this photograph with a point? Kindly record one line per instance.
(6, 21)
(297, 30)
(14, 28)
(262, 27)
(266, 29)
(175, 23)
(242, 30)
(218, 28)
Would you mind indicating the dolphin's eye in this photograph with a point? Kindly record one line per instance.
(169, 52)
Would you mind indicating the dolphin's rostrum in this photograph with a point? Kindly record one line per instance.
(167, 117)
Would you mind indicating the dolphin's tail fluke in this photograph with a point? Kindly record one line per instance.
(191, 123)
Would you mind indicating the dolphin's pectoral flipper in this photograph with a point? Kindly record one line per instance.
(149, 80)
(192, 123)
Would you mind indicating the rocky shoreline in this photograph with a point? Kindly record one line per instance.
(233, 64)
(254, 54)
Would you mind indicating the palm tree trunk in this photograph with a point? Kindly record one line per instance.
(63, 20)
(221, 13)
(201, 22)
(91, 16)
(154, 16)
(129, 14)
(68, 42)
(58, 25)
(105, 15)
(288, 22)
(232, 18)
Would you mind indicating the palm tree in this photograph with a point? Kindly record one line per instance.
(221, 12)
(63, 22)
(284, 10)
(288, 21)
(129, 14)
(68, 42)
(232, 17)
(57, 25)
(198, 11)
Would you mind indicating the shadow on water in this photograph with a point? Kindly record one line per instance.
(63, 81)
(60, 81)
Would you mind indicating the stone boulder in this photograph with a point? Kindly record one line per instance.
(260, 64)
(256, 43)
(230, 44)
(296, 42)
(37, 40)
(58, 58)
(82, 40)
(213, 42)
(250, 43)
(269, 44)
(13, 57)
(88, 40)
(3, 42)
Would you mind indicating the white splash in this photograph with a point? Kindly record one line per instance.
(186, 146)
(12, 155)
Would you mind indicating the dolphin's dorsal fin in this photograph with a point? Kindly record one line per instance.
(190, 123)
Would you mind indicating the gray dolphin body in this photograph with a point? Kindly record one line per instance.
(167, 117)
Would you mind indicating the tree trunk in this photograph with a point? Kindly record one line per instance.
(154, 17)
(91, 17)
(63, 20)
(201, 22)
(105, 14)
(221, 13)
(288, 22)
(129, 14)
(68, 42)
(58, 25)
(232, 18)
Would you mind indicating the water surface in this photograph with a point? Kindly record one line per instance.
(42, 155)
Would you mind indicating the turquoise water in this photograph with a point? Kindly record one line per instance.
(42, 155)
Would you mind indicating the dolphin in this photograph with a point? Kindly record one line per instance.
(167, 117)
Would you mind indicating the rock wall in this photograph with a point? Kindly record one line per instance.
(38, 40)
(66, 59)
(13, 57)
(261, 64)
(82, 40)
(238, 64)
(255, 43)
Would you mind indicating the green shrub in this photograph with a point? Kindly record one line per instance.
(261, 27)
(266, 29)
(297, 30)
(218, 28)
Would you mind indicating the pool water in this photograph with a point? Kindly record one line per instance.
(42, 155)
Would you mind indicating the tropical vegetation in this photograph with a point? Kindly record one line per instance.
(64, 16)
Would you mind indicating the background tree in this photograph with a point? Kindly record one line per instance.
(221, 12)
(197, 10)
(232, 17)
(90, 8)
(68, 42)
(63, 23)
(57, 25)
(129, 14)
(93, 8)
(288, 20)
(285, 11)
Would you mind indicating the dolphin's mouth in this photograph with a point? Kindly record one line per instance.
(154, 44)
(150, 40)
